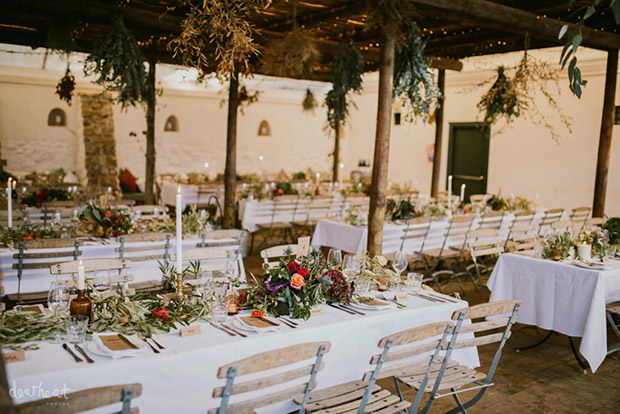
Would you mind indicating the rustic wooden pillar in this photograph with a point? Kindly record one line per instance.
(149, 196)
(604, 145)
(376, 215)
(441, 84)
(230, 172)
(336, 166)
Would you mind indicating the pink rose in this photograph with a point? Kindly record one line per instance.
(297, 281)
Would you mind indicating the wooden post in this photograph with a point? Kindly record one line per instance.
(441, 84)
(336, 166)
(149, 196)
(230, 172)
(376, 215)
(607, 126)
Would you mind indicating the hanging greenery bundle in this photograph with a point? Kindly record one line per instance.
(292, 56)
(65, 87)
(346, 77)
(501, 99)
(60, 38)
(309, 102)
(391, 15)
(219, 23)
(413, 78)
(118, 62)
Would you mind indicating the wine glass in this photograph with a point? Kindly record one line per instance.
(58, 301)
(350, 266)
(204, 283)
(399, 263)
(232, 270)
(334, 256)
(101, 282)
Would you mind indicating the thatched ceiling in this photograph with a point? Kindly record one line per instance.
(454, 28)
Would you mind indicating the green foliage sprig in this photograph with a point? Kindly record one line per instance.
(119, 64)
(20, 327)
(612, 225)
(31, 231)
(558, 247)
(105, 222)
(403, 210)
(292, 56)
(413, 77)
(346, 77)
(500, 100)
(309, 102)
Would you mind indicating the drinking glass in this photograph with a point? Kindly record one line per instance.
(414, 282)
(362, 286)
(101, 282)
(58, 301)
(218, 308)
(232, 270)
(204, 283)
(399, 263)
(350, 266)
(334, 256)
(76, 326)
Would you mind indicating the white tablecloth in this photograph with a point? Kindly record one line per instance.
(560, 297)
(181, 378)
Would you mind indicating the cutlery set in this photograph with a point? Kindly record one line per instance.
(122, 338)
(80, 350)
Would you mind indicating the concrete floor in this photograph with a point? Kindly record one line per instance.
(545, 379)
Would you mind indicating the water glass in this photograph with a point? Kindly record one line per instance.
(58, 301)
(350, 266)
(204, 283)
(101, 281)
(219, 310)
(414, 282)
(76, 326)
(399, 263)
(362, 286)
(334, 256)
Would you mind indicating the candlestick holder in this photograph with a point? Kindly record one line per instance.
(180, 279)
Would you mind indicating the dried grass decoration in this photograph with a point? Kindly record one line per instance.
(65, 87)
(501, 99)
(292, 56)
(309, 102)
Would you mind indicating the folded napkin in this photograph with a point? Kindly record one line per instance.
(256, 324)
(114, 346)
(372, 302)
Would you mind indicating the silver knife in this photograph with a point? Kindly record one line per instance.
(425, 297)
(442, 297)
(222, 329)
(81, 351)
(235, 331)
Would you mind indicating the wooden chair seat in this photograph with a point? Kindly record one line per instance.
(453, 377)
(446, 253)
(275, 225)
(613, 308)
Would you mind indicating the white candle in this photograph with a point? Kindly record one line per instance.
(75, 214)
(155, 212)
(57, 218)
(463, 193)
(69, 190)
(179, 232)
(80, 276)
(9, 193)
(318, 176)
(203, 214)
(512, 197)
(484, 199)
(449, 191)
(244, 186)
(341, 173)
(109, 190)
(74, 189)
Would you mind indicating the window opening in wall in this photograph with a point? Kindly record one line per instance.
(57, 117)
(172, 124)
(263, 129)
(397, 118)
(617, 117)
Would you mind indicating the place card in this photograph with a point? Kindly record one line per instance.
(32, 308)
(303, 245)
(401, 297)
(114, 343)
(190, 330)
(15, 356)
(318, 311)
(103, 201)
(256, 322)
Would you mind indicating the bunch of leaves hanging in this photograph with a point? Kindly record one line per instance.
(65, 87)
(221, 24)
(413, 78)
(119, 64)
(60, 37)
(501, 99)
(574, 39)
(346, 77)
(245, 98)
(309, 102)
(390, 15)
(292, 56)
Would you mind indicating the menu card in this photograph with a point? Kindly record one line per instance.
(256, 322)
(114, 342)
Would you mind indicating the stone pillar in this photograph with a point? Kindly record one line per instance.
(99, 143)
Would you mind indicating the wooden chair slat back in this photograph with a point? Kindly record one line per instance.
(562, 224)
(479, 233)
(595, 221)
(145, 237)
(414, 334)
(476, 198)
(247, 407)
(204, 254)
(90, 265)
(278, 251)
(50, 244)
(486, 309)
(225, 234)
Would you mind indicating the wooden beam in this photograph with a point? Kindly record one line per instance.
(376, 215)
(149, 197)
(607, 126)
(230, 172)
(509, 19)
(441, 84)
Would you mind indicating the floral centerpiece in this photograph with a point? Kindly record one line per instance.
(295, 285)
(284, 188)
(497, 203)
(376, 269)
(42, 196)
(403, 210)
(595, 238)
(558, 247)
(612, 225)
(194, 222)
(105, 222)
(30, 231)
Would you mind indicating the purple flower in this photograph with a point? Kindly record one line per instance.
(274, 288)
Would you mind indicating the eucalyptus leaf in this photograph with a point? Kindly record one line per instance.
(589, 12)
(576, 42)
(563, 31)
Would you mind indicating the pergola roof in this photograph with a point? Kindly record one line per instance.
(454, 28)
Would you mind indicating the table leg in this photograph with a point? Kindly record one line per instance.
(540, 342)
(576, 355)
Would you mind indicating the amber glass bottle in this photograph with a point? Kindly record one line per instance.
(81, 305)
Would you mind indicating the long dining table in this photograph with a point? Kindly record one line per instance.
(181, 378)
(560, 297)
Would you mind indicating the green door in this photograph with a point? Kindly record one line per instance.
(468, 157)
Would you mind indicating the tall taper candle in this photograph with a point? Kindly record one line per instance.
(9, 194)
(80, 276)
(341, 173)
(449, 191)
(463, 193)
(318, 176)
(179, 212)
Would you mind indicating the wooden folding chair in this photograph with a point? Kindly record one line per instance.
(227, 239)
(524, 237)
(613, 310)
(116, 266)
(520, 217)
(213, 259)
(482, 243)
(561, 226)
(403, 353)
(492, 220)
(41, 254)
(277, 252)
(315, 210)
(148, 212)
(580, 215)
(549, 217)
(288, 382)
(476, 198)
(593, 222)
(80, 401)
(280, 224)
(140, 247)
(416, 231)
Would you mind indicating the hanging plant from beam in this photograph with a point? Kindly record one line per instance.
(501, 99)
(221, 24)
(346, 77)
(309, 102)
(292, 56)
(119, 64)
(65, 87)
(391, 15)
(413, 78)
